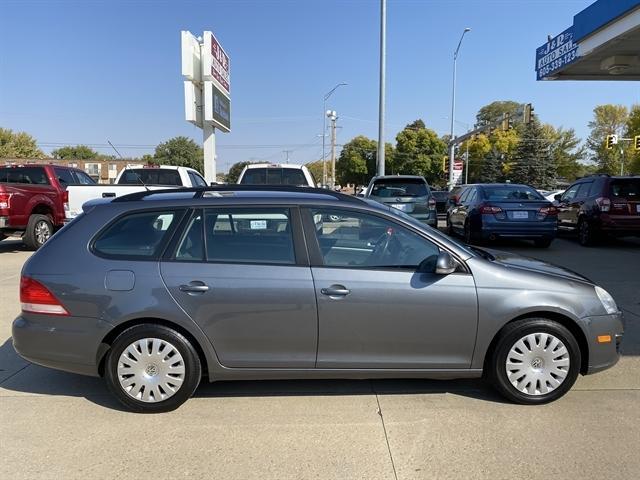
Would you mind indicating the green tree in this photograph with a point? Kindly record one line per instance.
(478, 146)
(316, 170)
(566, 151)
(419, 151)
(632, 130)
(180, 151)
(77, 152)
(235, 170)
(18, 145)
(607, 120)
(532, 162)
(492, 166)
(354, 165)
(494, 111)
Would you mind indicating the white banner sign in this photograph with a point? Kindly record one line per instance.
(216, 65)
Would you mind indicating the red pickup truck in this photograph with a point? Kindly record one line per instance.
(33, 199)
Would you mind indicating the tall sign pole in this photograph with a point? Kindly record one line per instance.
(206, 68)
(383, 64)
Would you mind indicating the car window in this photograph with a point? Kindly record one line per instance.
(361, 240)
(400, 187)
(465, 194)
(627, 188)
(471, 197)
(28, 175)
(570, 193)
(197, 180)
(510, 193)
(150, 176)
(64, 176)
(274, 176)
(583, 191)
(82, 178)
(249, 235)
(293, 176)
(191, 246)
(136, 235)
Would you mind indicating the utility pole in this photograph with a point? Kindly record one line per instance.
(287, 152)
(325, 114)
(333, 117)
(452, 147)
(381, 98)
(466, 168)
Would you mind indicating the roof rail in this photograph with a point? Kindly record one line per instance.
(200, 191)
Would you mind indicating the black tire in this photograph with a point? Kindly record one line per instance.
(3, 236)
(192, 367)
(542, 242)
(508, 337)
(39, 230)
(587, 233)
(469, 235)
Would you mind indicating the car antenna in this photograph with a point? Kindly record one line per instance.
(135, 173)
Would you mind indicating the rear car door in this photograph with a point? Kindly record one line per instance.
(242, 275)
(567, 219)
(375, 309)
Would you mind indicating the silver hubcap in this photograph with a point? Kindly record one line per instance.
(42, 232)
(151, 370)
(537, 364)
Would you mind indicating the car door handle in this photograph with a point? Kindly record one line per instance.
(335, 291)
(194, 287)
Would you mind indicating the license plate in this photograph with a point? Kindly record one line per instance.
(520, 215)
(400, 206)
(638, 208)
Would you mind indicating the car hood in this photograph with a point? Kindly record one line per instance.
(534, 265)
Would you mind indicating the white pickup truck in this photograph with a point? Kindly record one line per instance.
(132, 179)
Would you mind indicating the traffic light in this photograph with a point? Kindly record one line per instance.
(528, 108)
(444, 164)
(636, 143)
(611, 141)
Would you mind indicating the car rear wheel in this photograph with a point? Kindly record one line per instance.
(587, 234)
(469, 236)
(39, 230)
(535, 361)
(450, 231)
(152, 368)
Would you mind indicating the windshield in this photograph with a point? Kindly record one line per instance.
(628, 188)
(401, 187)
(510, 193)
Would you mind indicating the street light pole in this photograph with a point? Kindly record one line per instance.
(324, 129)
(383, 63)
(452, 147)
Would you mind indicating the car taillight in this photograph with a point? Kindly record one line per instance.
(432, 204)
(604, 204)
(490, 210)
(5, 201)
(549, 211)
(36, 298)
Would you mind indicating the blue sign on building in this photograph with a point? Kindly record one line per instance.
(556, 54)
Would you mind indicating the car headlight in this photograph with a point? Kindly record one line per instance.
(607, 300)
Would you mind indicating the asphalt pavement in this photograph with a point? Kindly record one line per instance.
(55, 425)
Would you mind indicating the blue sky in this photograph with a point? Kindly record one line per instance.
(88, 71)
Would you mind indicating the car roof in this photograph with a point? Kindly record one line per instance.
(274, 165)
(392, 177)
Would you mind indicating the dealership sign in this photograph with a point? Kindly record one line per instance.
(220, 112)
(216, 64)
(556, 54)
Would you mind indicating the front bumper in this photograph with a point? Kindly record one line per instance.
(72, 344)
(603, 355)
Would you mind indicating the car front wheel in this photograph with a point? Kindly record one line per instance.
(535, 361)
(151, 368)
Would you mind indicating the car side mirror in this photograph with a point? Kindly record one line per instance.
(557, 196)
(445, 264)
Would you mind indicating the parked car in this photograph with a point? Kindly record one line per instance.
(551, 195)
(276, 174)
(134, 179)
(408, 193)
(228, 283)
(34, 200)
(600, 205)
(491, 211)
(442, 201)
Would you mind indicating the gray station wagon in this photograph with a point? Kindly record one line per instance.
(224, 283)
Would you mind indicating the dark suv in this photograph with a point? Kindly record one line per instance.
(600, 205)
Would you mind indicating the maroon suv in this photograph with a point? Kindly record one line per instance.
(600, 205)
(33, 199)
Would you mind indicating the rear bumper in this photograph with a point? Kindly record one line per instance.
(72, 344)
(603, 355)
(430, 219)
(619, 224)
(506, 229)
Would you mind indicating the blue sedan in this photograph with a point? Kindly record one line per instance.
(491, 211)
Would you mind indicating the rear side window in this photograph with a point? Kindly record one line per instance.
(150, 176)
(28, 175)
(628, 188)
(137, 235)
(583, 191)
(64, 176)
(197, 180)
(249, 235)
(82, 178)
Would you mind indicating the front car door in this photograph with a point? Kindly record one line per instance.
(242, 275)
(376, 308)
